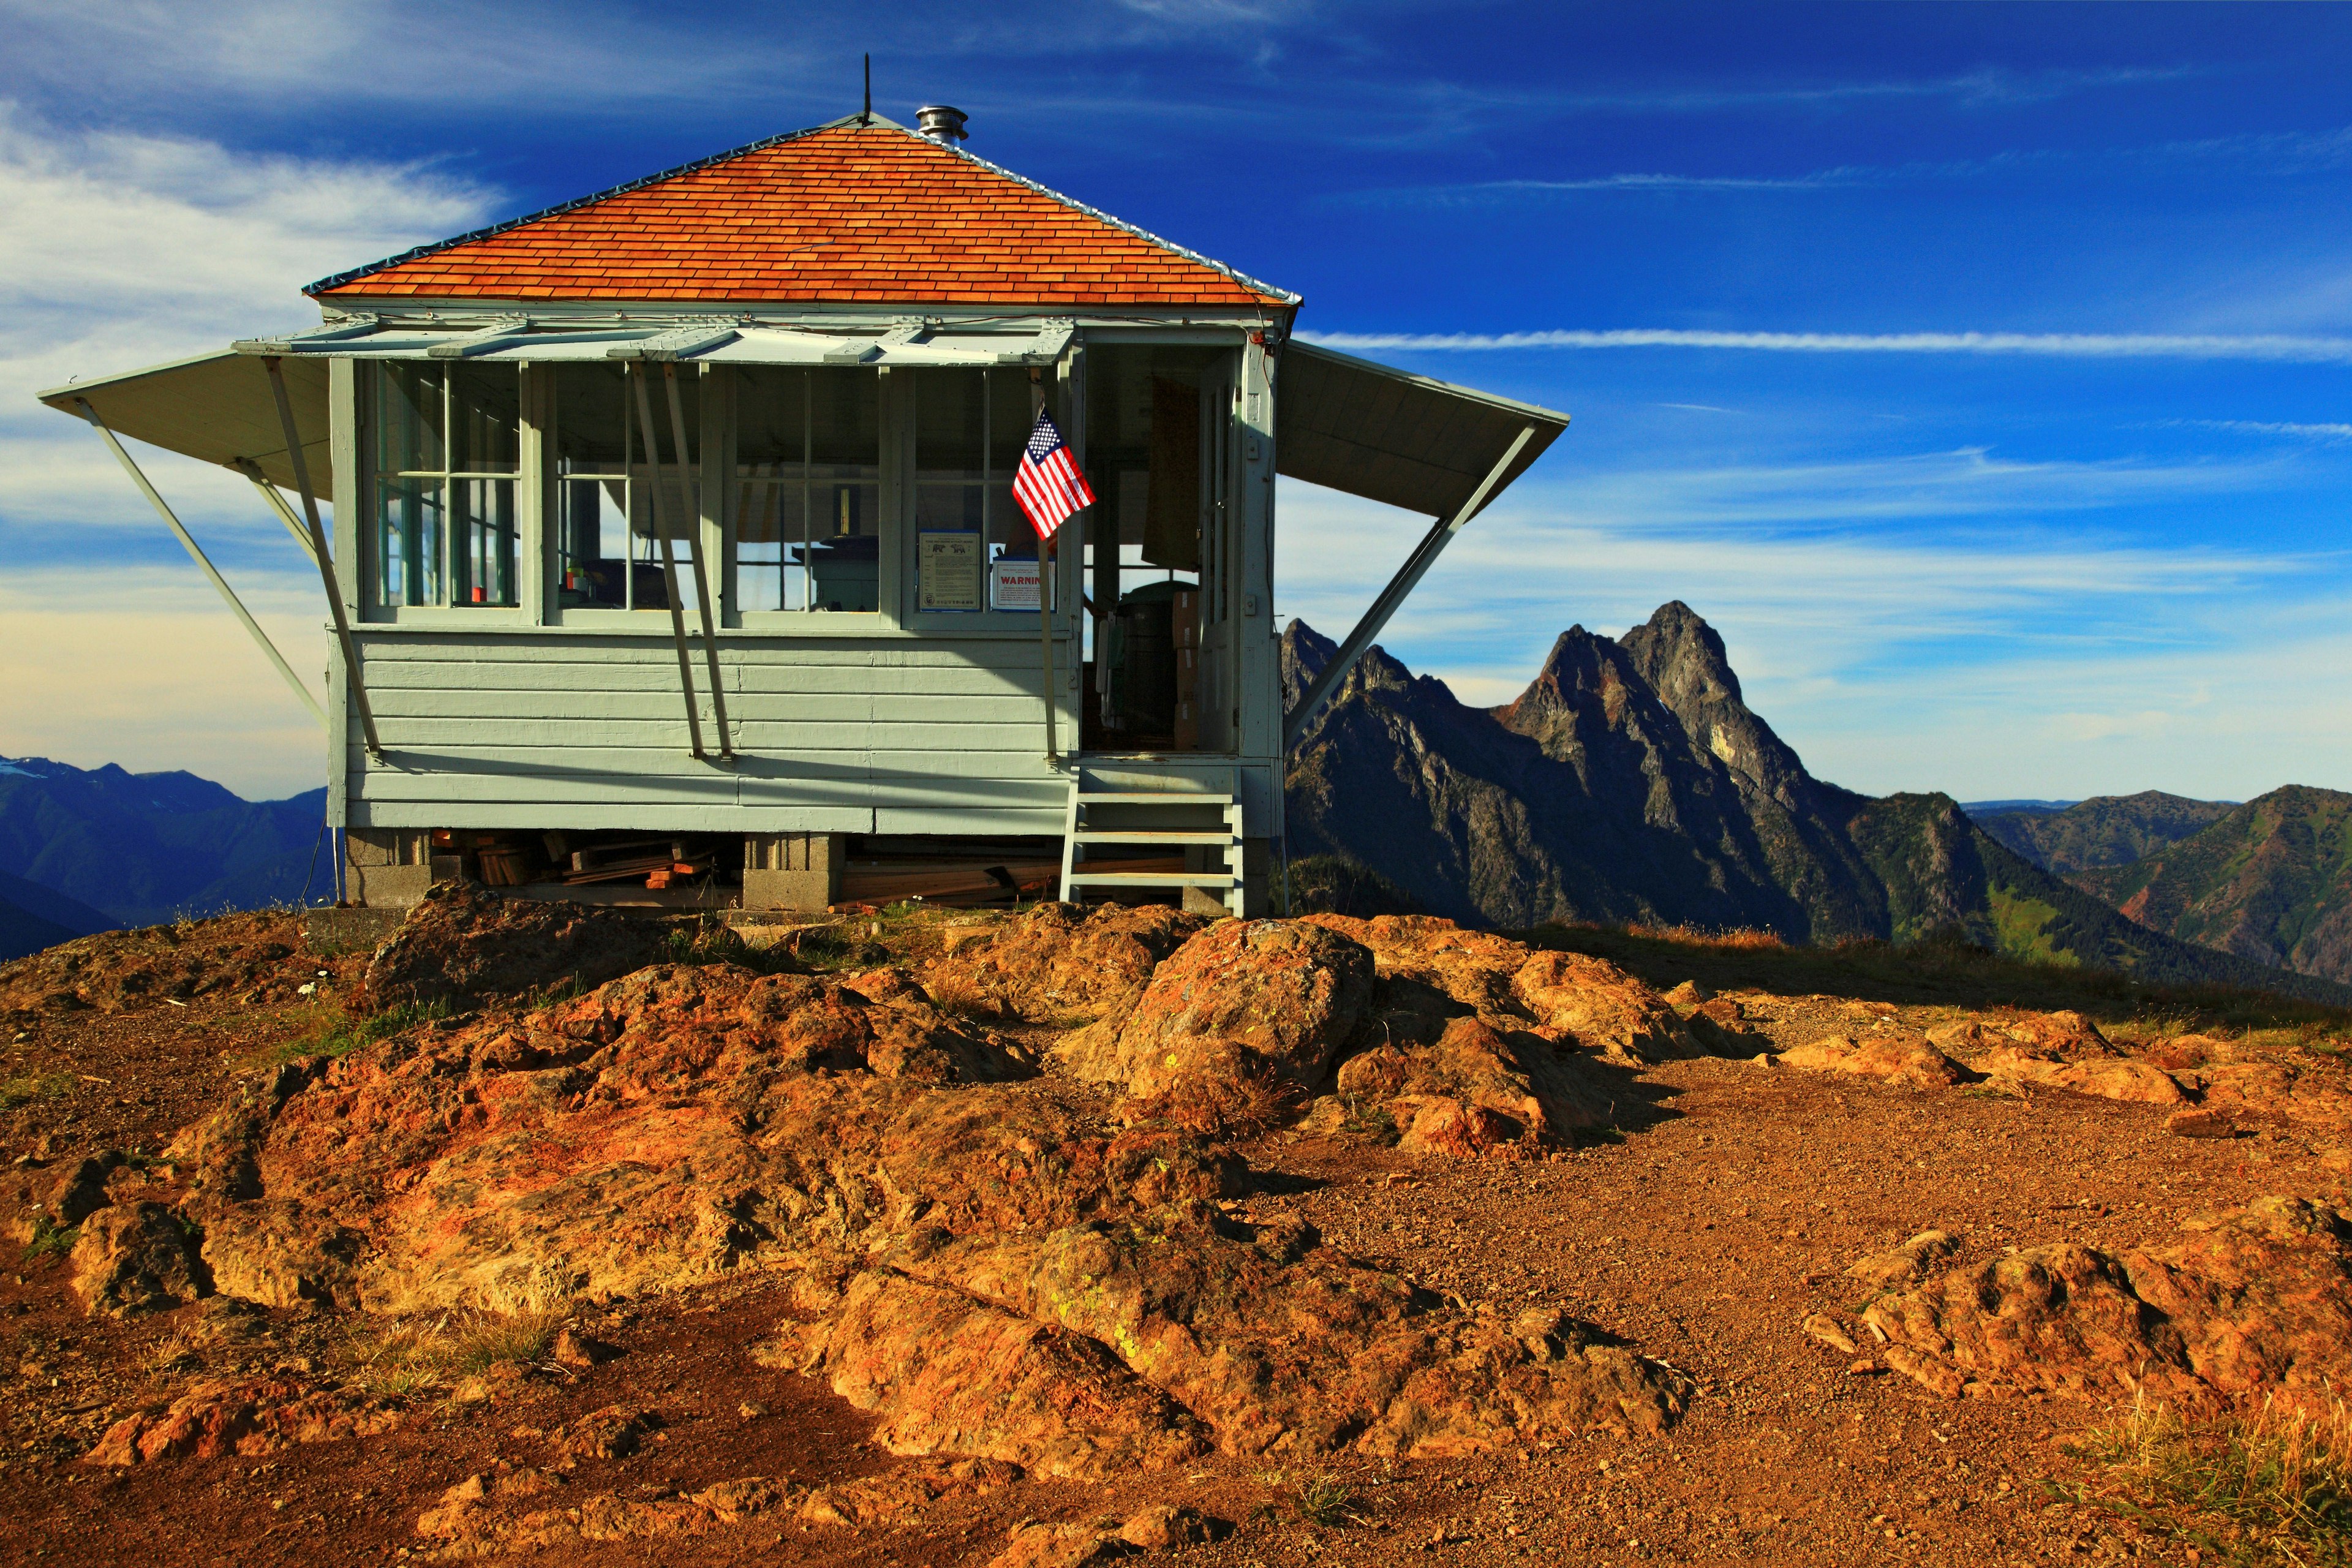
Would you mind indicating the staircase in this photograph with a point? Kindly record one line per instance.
(1200, 825)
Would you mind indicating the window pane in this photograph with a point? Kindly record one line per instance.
(809, 466)
(844, 571)
(588, 517)
(1010, 416)
(485, 410)
(949, 409)
(845, 410)
(408, 419)
(770, 415)
(608, 554)
(484, 567)
(408, 541)
(591, 447)
(948, 506)
(770, 515)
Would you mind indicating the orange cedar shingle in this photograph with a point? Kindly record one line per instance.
(843, 213)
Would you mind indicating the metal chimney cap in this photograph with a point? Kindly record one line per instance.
(940, 123)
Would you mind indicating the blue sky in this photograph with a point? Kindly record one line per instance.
(1981, 372)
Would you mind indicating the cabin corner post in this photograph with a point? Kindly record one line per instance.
(1069, 587)
(1258, 674)
(335, 602)
(1044, 601)
(345, 423)
(535, 561)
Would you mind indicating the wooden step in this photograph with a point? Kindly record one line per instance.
(1216, 800)
(1168, 836)
(1152, 879)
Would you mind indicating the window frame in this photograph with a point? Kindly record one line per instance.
(888, 483)
(369, 392)
(547, 432)
(986, 621)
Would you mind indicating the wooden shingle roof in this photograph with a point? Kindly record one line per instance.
(847, 213)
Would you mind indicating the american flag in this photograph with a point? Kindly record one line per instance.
(1048, 485)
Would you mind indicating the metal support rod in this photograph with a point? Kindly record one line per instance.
(188, 542)
(636, 373)
(1408, 577)
(276, 500)
(321, 553)
(701, 587)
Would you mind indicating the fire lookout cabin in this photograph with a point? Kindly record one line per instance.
(672, 555)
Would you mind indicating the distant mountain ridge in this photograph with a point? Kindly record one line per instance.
(2106, 830)
(2270, 880)
(1630, 781)
(143, 849)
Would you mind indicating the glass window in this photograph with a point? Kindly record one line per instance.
(607, 544)
(808, 467)
(969, 426)
(448, 446)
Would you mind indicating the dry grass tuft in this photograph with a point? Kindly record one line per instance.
(2273, 1488)
(1236, 1107)
(1325, 1499)
(964, 998)
(515, 1325)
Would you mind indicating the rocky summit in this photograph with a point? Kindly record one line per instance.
(1068, 1236)
(1631, 783)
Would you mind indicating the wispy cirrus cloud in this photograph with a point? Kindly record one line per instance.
(2257, 346)
(2282, 152)
(2329, 433)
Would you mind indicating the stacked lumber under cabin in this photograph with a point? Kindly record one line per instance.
(515, 859)
(658, 862)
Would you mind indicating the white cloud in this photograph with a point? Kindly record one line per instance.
(2262, 346)
(122, 250)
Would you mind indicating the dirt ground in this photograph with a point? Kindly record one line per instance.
(1727, 1211)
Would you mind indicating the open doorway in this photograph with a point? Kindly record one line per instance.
(1160, 544)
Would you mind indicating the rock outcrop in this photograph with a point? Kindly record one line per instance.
(1245, 999)
(1177, 1330)
(252, 958)
(515, 1510)
(663, 1129)
(135, 1258)
(252, 1417)
(1061, 964)
(1004, 1266)
(2251, 1305)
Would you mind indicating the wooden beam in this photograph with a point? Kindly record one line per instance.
(188, 542)
(636, 374)
(319, 553)
(701, 584)
(276, 500)
(1408, 577)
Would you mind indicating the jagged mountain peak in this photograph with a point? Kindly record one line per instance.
(1682, 656)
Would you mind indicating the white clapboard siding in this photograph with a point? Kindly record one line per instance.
(553, 731)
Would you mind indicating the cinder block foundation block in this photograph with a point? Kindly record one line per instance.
(792, 870)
